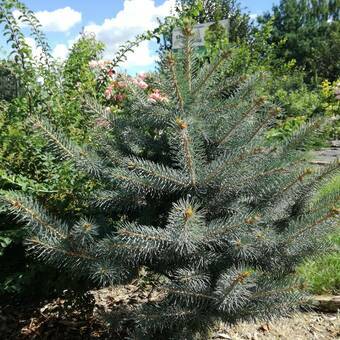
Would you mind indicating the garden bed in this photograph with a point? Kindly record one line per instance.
(79, 318)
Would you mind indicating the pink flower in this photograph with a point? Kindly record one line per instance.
(143, 85)
(93, 64)
(156, 96)
(101, 64)
(119, 97)
(111, 72)
(140, 83)
(108, 93)
(142, 76)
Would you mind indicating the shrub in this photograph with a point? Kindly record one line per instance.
(9, 87)
(24, 163)
(191, 192)
(57, 91)
(301, 103)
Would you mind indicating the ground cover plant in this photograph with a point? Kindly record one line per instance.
(191, 192)
(322, 274)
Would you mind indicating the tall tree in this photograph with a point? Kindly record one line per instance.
(311, 31)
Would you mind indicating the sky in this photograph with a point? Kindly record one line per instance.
(113, 22)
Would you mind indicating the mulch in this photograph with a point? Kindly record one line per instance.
(78, 317)
(52, 320)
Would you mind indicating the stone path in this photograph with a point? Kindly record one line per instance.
(327, 155)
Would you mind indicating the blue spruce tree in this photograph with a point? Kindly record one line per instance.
(192, 192)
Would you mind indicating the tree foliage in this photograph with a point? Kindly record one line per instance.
(198, 11)
(311, 32)
(209, 11)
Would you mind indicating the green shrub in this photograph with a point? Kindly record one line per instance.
(301, 104)
(53, 90)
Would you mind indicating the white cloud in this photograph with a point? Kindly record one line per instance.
(60, 20)
(253, 16)
(142, 56)
(60, 51)
(36, 51)
(136, 17)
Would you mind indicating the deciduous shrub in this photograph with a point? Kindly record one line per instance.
(52, 89)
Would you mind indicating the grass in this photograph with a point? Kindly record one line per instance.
(322, 275)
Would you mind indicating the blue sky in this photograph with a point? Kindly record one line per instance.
(113, 22)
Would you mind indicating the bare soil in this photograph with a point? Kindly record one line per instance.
(301, 326)
(73, 318)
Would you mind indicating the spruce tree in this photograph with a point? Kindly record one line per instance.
(191, 191)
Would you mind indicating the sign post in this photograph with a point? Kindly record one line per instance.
(198, 34)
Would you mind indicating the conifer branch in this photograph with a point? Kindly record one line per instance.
(52, 136)
(171, 64)
(331, 213)
(30, 215)
(188, 55)
(257, 104)
(141, 235)
(141, 184)
(296, 180)
(218, 166)
(187, 293)
(212, 69)
(327, 200)
(268, 293)
(37, 242)
(329, 171)
(66, 149)
(186, 144)
(158, 172)
(220, 233)
(239, 279)
(253, 179)
(263, 124)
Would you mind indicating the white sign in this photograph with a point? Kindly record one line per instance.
(198, 34)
